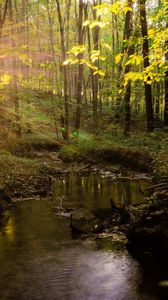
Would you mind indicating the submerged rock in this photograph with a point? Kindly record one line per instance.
(63, 212)
(84, 221)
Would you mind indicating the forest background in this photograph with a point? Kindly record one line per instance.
(91, 71)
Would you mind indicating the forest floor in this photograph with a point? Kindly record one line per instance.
(27, 168)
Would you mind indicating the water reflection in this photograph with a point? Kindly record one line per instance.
(43, 262)
(96, 190)
(40, 261)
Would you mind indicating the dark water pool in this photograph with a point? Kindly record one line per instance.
(95, 191)
(39, 259)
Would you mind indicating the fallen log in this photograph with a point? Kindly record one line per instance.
(152, 187)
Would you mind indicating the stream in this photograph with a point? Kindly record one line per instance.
(40, 260)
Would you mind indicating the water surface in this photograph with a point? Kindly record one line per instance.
(40, 260)
(95, 191)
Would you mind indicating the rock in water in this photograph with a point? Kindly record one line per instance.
(5, 197)
(83, 221)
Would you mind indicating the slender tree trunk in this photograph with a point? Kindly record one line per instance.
(63, 51)
(113, 39)
(130, 51)
(1, 25)
(156, 97)
(2, 18)
(68, 4)
(166, 88)
(91, 73)
(145, 50)
(3, 12)
(127, 108)
(69, 69)
(52, 51)
(95, 78)
(80, 67)
(15, 96)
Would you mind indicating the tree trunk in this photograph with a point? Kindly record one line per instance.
(130, 51)
(80, 68)
(157, 89)
(2, 18)
(24, 37)
(15, 96)
(145, 50)
(95, 78)
(166, 88)
(64, 69)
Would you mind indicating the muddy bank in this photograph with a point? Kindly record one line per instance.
(134, 160)
(148, 231)
(26, 177)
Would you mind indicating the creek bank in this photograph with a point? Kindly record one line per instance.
(131, 159)
(145, 226)
(23, 177)
(149, 229)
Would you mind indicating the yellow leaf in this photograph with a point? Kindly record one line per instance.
(5, 79)
(74, 61)
(118, 58)
(86, 23)
(99, 24)
(99, 72)
(151, 32)
(67, 61)
(107, 46)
